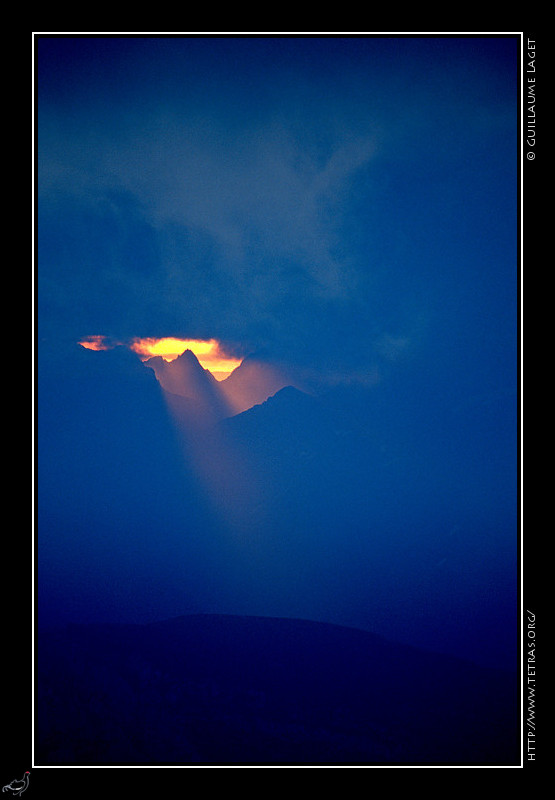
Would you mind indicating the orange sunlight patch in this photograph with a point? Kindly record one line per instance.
(170, 348)
(95, 343)
(208, 352)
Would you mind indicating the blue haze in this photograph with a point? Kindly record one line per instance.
(346, 207)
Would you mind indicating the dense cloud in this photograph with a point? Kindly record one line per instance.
(236, 241)
(269, 193)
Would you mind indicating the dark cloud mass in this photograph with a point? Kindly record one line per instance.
(193, 240)
(251, 190)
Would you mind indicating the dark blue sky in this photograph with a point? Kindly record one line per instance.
(345, 205)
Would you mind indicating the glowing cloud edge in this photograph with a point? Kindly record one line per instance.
(208, 351)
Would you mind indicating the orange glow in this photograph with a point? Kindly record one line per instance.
(170, 348)
(95, 343)
(208, 353)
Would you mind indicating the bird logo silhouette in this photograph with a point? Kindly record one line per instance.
(17, 787)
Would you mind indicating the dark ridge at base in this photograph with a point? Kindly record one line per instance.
(217, 689)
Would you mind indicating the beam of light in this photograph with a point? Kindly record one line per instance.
(208, 352)
(227, 475)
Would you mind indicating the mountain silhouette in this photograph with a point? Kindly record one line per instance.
(225, 689)
(185, 377)
(210, 400)
(306, 449)
(369, 507)
(358, 506)
(251, 383)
